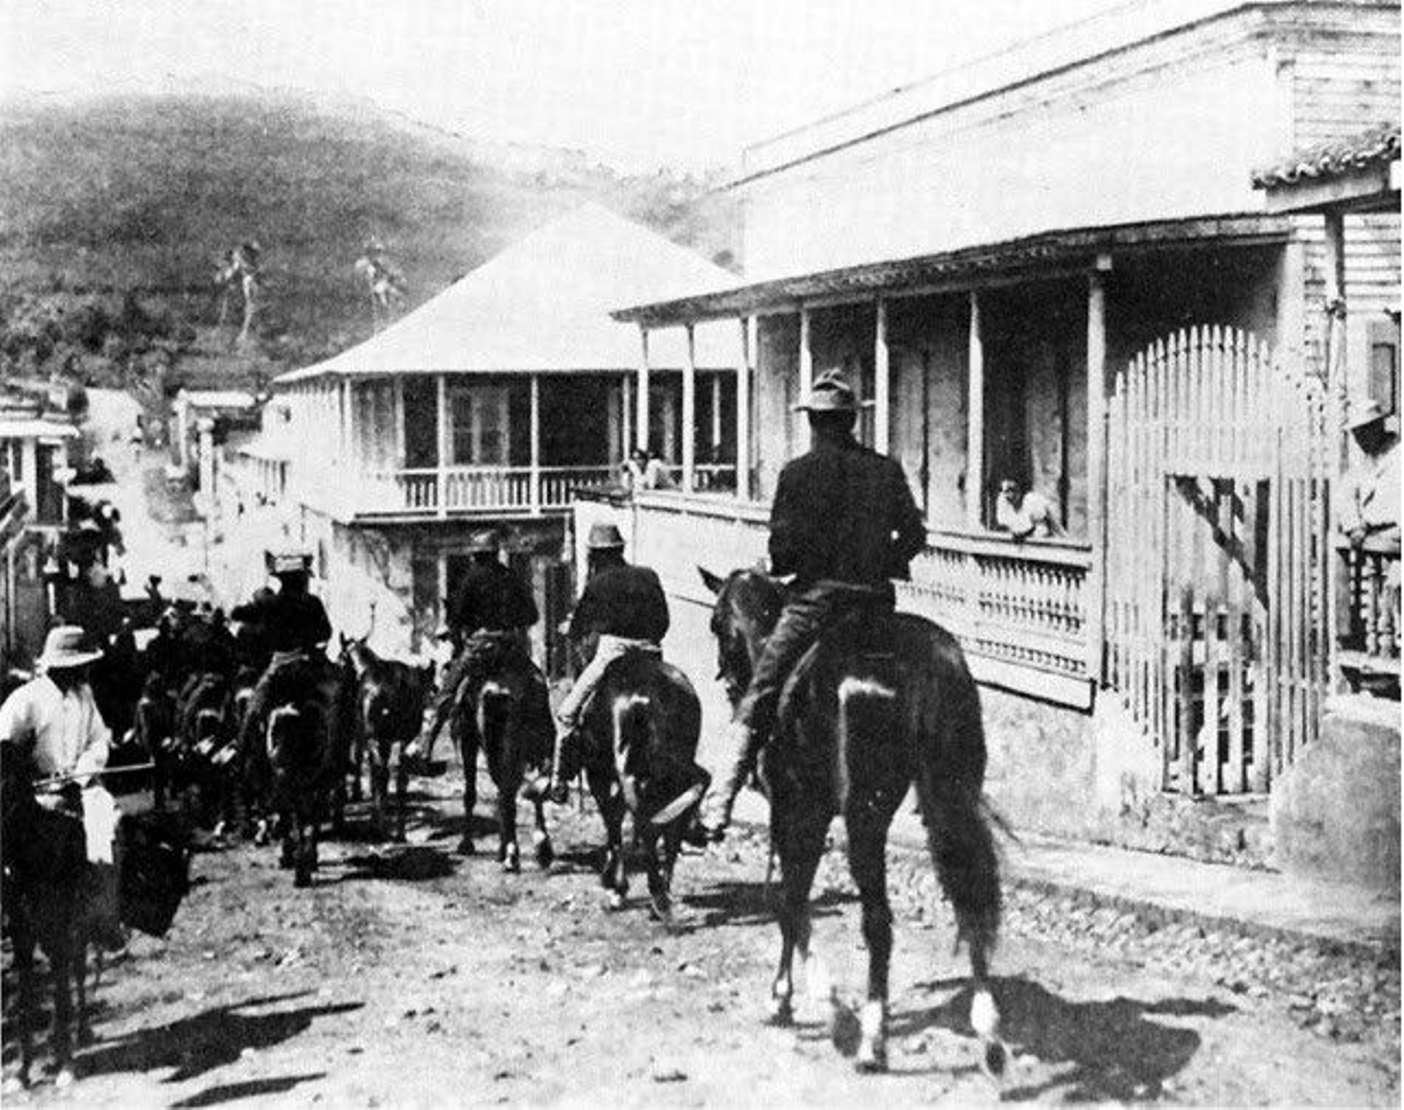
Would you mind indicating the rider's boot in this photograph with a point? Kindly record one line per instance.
(558, 784)
(715, 817)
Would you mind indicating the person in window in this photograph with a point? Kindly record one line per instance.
(1024, 513)
(1368, 501)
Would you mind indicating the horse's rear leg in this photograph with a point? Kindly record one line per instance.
(508, 782)
(401, 785)
(800, 846)
(468, 749)
(541, 836)
(61, 971)
(80, 985)
(867, 850)
(379, 753)
(614, 872)
(24, 965)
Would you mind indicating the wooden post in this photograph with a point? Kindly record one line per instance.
(806, 377)
(716, 416)
(399, 398)
(535, 445)
(1097, 464)
(444, 444)
(641, 417)
(743, 413)
(882, 384)
(626, 416)
(975, 421)
(689, 413)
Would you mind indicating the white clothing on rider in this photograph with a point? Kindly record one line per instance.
(67, 736)
(607, 651)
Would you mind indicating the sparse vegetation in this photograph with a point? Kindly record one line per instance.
(116, 214)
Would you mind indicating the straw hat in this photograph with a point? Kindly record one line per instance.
(830, 392)
(67, 646)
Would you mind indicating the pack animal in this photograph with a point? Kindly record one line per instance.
(389, 704)
(869, 711)
(302, 766)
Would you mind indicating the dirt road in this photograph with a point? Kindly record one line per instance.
(410, 976)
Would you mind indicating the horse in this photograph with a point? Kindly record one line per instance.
(501, 707)
(872, 708)
(389, 704)
(301, 764)
(45, 871)
(639, 735)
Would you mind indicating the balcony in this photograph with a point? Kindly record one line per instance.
(1369, 618)
(410, 494)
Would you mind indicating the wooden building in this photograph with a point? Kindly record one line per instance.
(1053, 266)
(489, 405)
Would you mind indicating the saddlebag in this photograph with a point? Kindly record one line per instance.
(155, 871)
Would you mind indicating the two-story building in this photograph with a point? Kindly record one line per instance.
(1053, 266)
(485, 407)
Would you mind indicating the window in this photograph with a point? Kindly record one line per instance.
(1383, 339)
(479, 425)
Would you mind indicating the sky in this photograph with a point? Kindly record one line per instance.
(640, 83)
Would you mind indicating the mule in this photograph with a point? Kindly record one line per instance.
(501, 708)
(154, 728)
(876, 705)
(639, 737)
(388, 708)
(45, 874)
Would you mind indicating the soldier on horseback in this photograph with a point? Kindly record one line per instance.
(624, 611)
(297, 630)
(844, 524)
(53, 722)
(489, 613)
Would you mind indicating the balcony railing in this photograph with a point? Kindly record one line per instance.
(1019, 609)
(1369, 619)
(451, 491)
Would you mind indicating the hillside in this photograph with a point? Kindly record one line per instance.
(114, 215)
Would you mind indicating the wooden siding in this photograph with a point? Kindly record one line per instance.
(1342, 84)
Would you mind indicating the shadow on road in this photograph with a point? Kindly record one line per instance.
(207, 1040)
(751, 903)
(228, 1092)
(403, 863)
(1118, 1052)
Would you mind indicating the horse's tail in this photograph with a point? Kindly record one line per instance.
(950, 769)
(634, 732)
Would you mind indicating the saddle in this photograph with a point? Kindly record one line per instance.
(861, 639)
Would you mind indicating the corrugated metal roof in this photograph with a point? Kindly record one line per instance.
(1378, 145)
(543, 304)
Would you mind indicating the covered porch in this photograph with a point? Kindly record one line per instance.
(974, 367)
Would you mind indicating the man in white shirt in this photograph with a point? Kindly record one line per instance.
(54, 720)
(1024, 514)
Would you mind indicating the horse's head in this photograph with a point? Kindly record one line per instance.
(747, 605)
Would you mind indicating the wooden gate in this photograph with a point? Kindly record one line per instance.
(1217, 547)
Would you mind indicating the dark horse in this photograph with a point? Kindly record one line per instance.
(45, 896)
(389, 703)
(502, 708)
(303, 765)
(639, 737)
(873, 707)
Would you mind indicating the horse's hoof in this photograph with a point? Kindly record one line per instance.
(285, 863)
(660, 909)
(512, 859)
(545, 854)
(871, 1058)
(64, 1078)
(302, 879)
(466, 847)
(15, 1083)
(615, 901)
(781, 1010)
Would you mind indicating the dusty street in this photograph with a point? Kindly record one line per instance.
(411, 976)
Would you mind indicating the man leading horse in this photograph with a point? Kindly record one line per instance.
(844, 524)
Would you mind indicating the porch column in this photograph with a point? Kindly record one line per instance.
(641, 417)
(716, 417)
(689, 413)
(536, 444)
(882, 383)
(743, 413)
(975, 420)
(1337, 378)
(626, 417)
(806, 377)
(1097, 462)
(399, 408)
(444, 442)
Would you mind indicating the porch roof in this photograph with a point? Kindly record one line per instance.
(543, 304)
(1028, 257)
